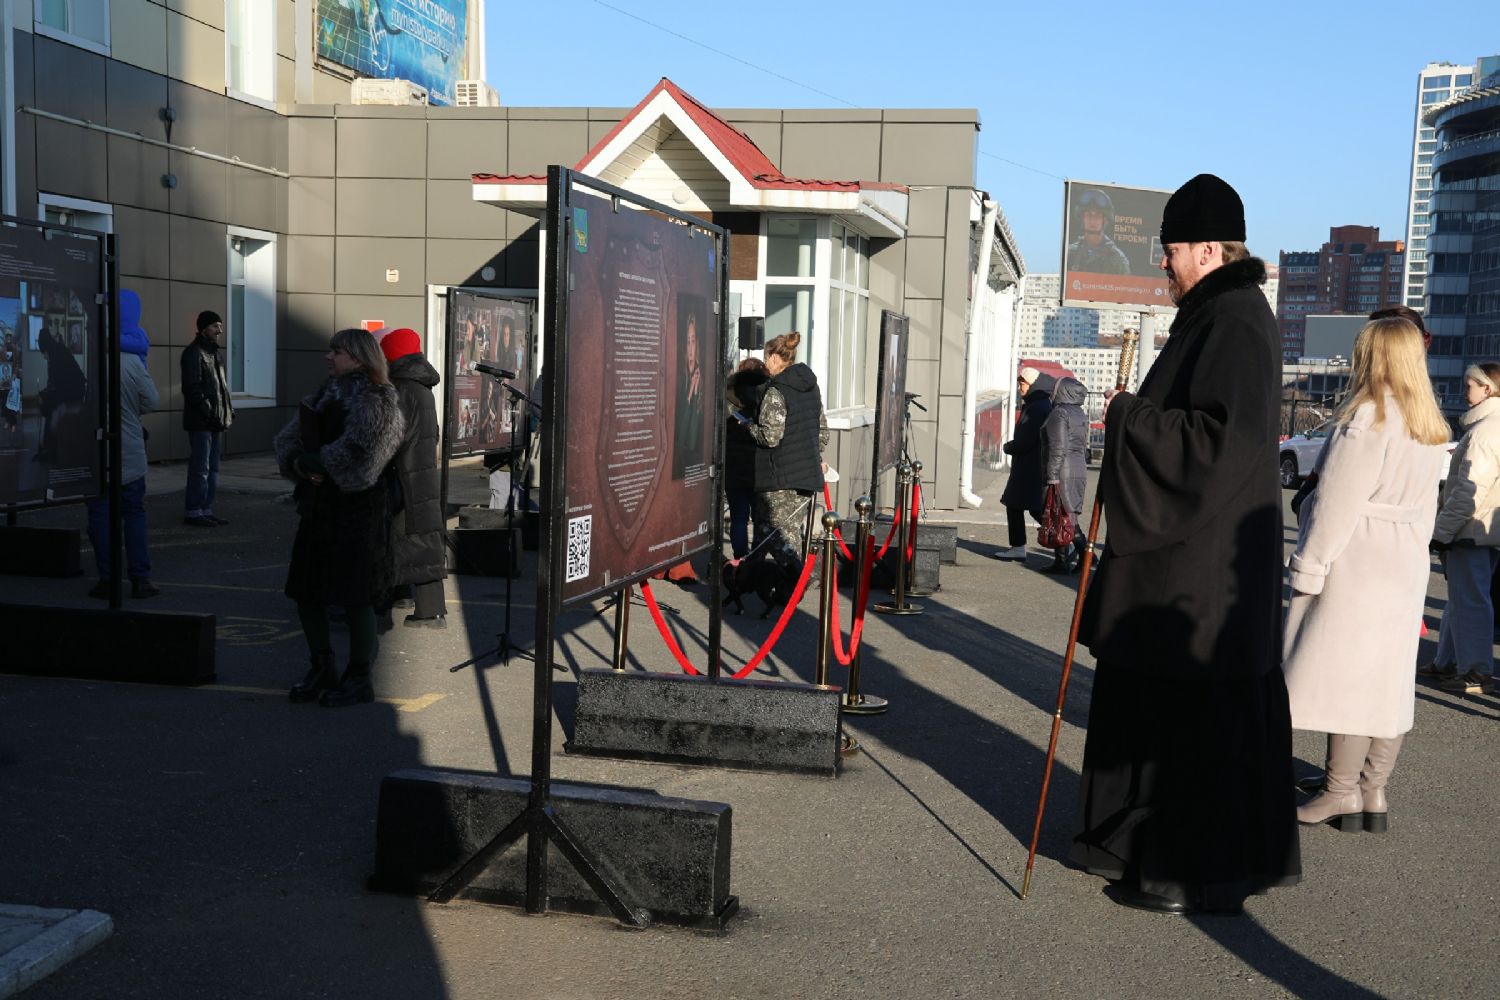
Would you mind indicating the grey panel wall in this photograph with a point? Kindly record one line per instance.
(374, 189)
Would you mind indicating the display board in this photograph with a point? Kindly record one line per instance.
(498, 331)
(634, 359)
(52, 360)
(418, 40)
(890, 391)
(1112, 246)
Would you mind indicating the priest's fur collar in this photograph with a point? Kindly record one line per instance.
(1240, 274)
(373, 427)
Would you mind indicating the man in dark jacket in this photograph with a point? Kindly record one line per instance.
(206, 414)
(1187, 790)
(420, 557)
(1023, 490)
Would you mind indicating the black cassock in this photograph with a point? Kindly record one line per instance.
(1187, 786)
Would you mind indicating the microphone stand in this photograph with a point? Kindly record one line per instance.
(503, 646)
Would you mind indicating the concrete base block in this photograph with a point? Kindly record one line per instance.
(757, 725)
(36, 942)
(150, 647)
(943, 537)
(665, 855)
(40, 551)
(926, 567)
(484, 551)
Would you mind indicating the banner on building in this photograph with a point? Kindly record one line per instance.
(636, 348)
(1112, 246)
(483, 414)
(423, 41)
(52, 365)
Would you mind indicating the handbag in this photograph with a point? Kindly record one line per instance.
(1058, 527)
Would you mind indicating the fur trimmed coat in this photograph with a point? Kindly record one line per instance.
(343, 550)
(1187, 788)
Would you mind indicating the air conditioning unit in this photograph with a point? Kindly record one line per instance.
(476, 94)
(368, 91)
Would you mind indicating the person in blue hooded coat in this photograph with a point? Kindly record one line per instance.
(138, 396)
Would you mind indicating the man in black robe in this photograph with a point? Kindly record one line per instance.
(1187, 800)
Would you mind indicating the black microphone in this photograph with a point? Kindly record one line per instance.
(489, 369)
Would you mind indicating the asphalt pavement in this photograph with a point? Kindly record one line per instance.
(227, 833)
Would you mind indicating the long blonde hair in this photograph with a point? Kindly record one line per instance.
(1389, 357)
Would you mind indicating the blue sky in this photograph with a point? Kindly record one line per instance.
(1306, 108)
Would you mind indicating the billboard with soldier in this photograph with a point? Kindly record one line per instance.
(1111, 246)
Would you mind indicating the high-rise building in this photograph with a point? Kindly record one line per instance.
(1462, 301)
(1046, 324)
(1436, 83)
(1084, 340)
(1354, 272)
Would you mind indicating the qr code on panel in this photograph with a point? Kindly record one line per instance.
(580, 541)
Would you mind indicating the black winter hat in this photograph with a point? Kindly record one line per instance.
(206, 319)
(1204, 209)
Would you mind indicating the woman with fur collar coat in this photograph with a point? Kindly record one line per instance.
(338, 450)
(1468, 532)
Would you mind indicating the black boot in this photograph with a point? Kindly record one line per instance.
(1059, 562)
(354, 689)
(321, 677)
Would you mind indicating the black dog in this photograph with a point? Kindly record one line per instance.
(770, 573)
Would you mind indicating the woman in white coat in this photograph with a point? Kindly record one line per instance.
(1468, 532)
(1359, 575)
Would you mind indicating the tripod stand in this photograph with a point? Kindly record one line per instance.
(519, 468)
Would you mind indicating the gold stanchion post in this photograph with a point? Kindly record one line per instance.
(900, 606)
(828, 593)
(856, 703)
(622, 626)
(912, 589)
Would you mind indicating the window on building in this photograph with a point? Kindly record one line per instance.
(250, 48)
(1463, 80)
(76, 212)
(1434, 96)
(79, 22)
(1427, 133)
(1431, 82)
(848, 316)
(250, 327)
(818, 283)
(1427, 147)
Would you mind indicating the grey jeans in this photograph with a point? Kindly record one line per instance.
(1467, 637)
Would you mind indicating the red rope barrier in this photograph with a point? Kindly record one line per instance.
(828, 505)
(861, 599)
(666, 633)
(760, 654)
(895, 523)
(916, 504)
(781, 623)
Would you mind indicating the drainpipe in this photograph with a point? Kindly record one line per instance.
(980, 284)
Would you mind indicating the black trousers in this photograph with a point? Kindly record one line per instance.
(1015, 523)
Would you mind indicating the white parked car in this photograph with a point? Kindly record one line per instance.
(1299, 453)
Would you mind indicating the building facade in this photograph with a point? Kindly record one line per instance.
(226, 157)
(1462, 301)
(1355, 272)
(1436, 82)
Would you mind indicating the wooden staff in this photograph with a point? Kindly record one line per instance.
(1127, 358)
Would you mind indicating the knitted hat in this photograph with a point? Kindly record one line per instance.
(1202, 210)
(399, 343)
(206, 319)
(1029, 373)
